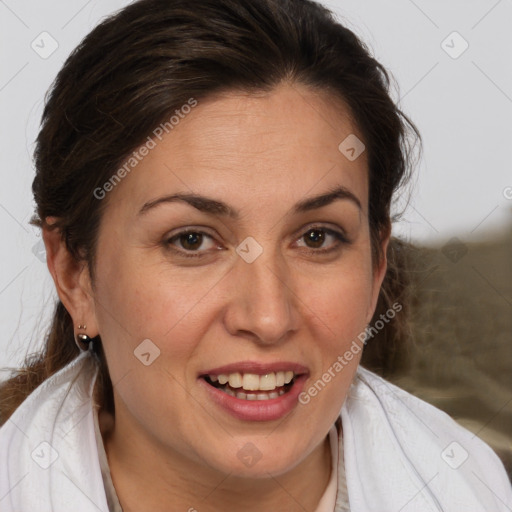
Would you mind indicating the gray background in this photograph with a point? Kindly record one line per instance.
(462, 106)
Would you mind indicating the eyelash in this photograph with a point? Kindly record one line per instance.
(340, 237)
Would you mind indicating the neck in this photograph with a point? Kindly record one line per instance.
(147, 477)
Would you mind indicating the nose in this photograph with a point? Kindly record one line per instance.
(263, 300)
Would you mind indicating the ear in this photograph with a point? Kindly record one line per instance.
(379, 273)
(72, 280)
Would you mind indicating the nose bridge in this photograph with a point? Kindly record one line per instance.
(263, 303)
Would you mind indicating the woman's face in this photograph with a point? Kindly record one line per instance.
(267, 283)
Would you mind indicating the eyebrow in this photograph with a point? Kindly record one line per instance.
(221, 209)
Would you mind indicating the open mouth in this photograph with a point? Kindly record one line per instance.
(250, 386)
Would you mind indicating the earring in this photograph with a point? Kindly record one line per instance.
(83, 341)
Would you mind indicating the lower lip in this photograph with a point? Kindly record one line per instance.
(257, 410)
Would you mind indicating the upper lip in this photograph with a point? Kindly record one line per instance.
(256, 368)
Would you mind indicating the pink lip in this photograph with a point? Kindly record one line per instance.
(256, 368)
(256, 410)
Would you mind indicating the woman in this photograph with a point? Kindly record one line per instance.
(214, 181)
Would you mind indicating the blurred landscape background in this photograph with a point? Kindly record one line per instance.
(458, 354)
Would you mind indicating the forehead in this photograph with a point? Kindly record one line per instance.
(253, 147)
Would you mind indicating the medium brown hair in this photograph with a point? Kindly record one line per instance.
(141, 64)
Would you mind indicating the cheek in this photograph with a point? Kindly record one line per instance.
(339, 340)
(338, 311)
(150, 336)
(342, 302)
(138, 302)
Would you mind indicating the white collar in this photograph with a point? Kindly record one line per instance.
(330, 498)
(396, 450)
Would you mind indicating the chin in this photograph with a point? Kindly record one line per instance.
(257, 458)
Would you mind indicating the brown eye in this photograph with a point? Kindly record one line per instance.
(316, 237)
(190, 243)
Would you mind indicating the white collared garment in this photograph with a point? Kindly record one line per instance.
(399, 453)
(327, 503)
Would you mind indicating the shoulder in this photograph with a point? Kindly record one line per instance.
(71, 381)
(407, 443)
(49, 441)
(411, 416)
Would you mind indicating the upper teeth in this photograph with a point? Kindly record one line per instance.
(253, 382)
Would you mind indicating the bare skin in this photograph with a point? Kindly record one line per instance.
(170, 445)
